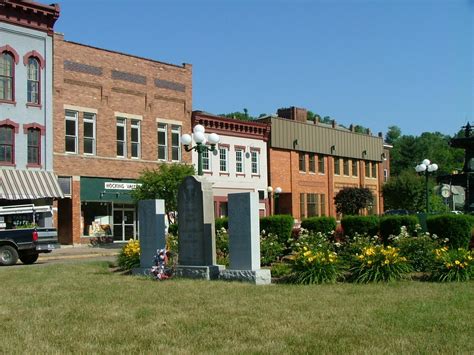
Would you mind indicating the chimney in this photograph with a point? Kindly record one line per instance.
(293, 113)
(333, 123)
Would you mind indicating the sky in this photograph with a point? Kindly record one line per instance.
(375, 63)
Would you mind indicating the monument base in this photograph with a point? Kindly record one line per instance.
(210, 272)
(257, 277)
(145, 271)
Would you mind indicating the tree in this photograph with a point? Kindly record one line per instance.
(162, 183)
(394, 132)
(350, 200)
(405, 191)
(242, 116)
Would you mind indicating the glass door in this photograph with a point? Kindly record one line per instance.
(125, 224)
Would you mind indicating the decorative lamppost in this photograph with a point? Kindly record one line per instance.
(276, 195)
(201, 146)
(425, 168)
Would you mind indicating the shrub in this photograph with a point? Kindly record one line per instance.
(453, 265)
(418, 251)
(279, 225)
(280, 269)
(222, 222)
(324, 225)
(362, 225)
(129, 256)
(312, 265)
(455, 229)
(379, 263)
(271, 249)
(391, 225)
(222, 246)
(173, 229)
(354, 245)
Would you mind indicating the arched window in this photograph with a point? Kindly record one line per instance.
(33, 81)
(7, 144)
(7, 74)
(34, 146)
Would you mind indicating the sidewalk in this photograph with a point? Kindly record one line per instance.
(82, 251)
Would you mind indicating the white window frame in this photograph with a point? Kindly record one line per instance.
(239, 160)
(75, 119)
(135, 124)
(206, 158)
(163, 129)
(124, 142)
(255, 165)
(93, 138)
(224, 158)
(175, 129)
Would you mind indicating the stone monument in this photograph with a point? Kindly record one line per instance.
(197, 240)
(151, 219)
(244, 240)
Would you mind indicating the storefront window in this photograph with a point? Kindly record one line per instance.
(96, 218)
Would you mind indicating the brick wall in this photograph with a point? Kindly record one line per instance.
(111, 82)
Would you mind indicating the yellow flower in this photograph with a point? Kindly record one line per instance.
(457, 262)
(361, 257)
(306, 253)
(369, 262)
(386, 261)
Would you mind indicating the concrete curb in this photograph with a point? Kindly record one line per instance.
(78, 256)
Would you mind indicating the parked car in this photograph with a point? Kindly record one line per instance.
(397, 212)
(22, 236)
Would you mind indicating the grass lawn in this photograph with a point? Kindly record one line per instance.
(82, 307)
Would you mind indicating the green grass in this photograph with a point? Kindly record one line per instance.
(83, 308)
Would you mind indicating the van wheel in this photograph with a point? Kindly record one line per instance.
(28, 259)
(8, 255)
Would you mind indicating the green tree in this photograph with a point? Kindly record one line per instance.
(393, 133)
(162, 183)
(405, 191)
(350, 200)
(242, 116)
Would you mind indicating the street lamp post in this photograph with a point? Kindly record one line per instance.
(276, 195)
(201, 146)
(425, 168)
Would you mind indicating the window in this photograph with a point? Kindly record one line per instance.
(302, 161)
(355, 168)
(89, 133)
(385, 175)
(121, 138)
(7, 144)
(33, 85)
(322, 203)
(312, 163)
(345, 166)
(321, 167)
(6, 76)
(162, 141)
(337, 166)
(175, 146)
(71, 131)
(255, 162)
(239, 160)
(135, 136)
(374, 169)
(312, 205)
(302, 206)
(223, 159)
(34, 144)
(206, 162)
(367, 169)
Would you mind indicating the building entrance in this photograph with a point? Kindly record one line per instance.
(124, 221)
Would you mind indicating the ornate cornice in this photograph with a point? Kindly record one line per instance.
(29, 14)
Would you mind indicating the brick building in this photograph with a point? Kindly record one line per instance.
(240, 162)
(114, 116)
(312, 161)
(26, 116)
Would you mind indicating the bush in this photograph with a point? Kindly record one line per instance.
(354, 245)
(453, 265)
(418, 251)
(379, 263)
(271, 249)
(362, 225)
(222, 222)
(325, 225)
(173, 229)
(391, 225)
(129, 256)
(222, 246)
(313, 260)
(455, 229)
(279, 225)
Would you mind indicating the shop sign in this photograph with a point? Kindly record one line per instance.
(120, 185)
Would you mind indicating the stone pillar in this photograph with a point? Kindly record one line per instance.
(197, 240)
(151, 217)
(244, 240)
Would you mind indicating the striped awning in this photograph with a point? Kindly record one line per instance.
(28, 184)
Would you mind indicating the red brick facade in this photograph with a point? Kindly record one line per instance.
(108, 84)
